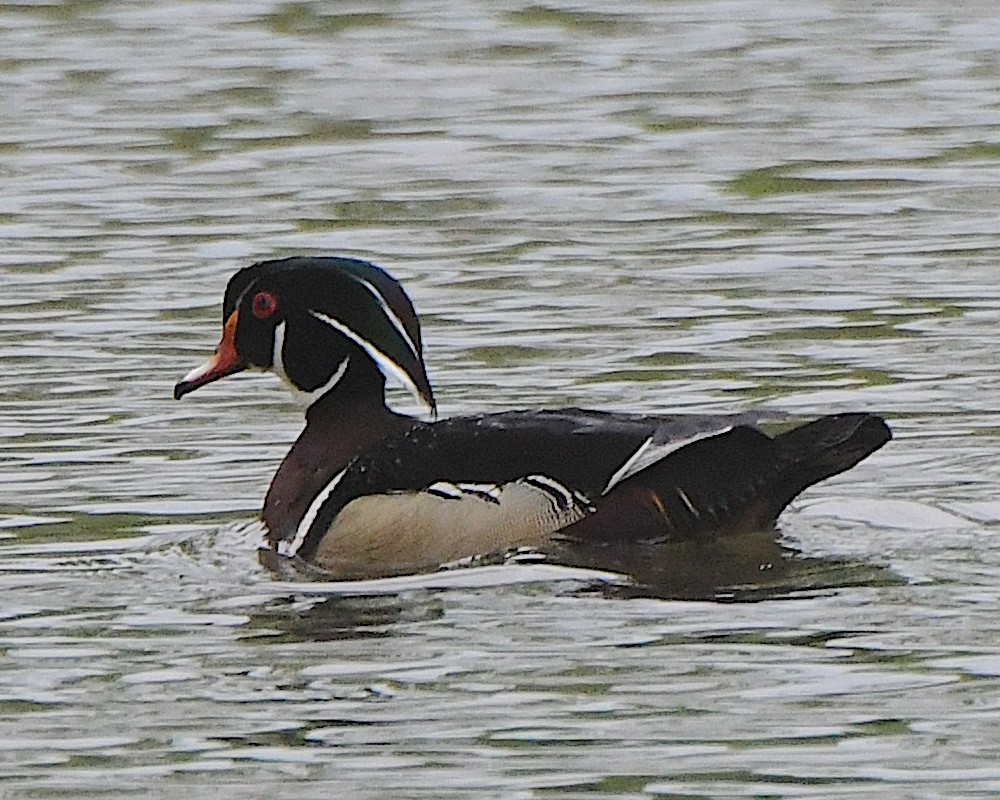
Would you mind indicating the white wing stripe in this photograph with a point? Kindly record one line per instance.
(457, 491)
(623, 470)
(449, 491)
(486, 491)
(649, 453)
(557, 494)
(687, 501)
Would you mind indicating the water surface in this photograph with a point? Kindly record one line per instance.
(711, 206)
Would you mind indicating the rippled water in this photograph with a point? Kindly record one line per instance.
(685, 205)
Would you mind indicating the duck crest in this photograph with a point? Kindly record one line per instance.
(355, 298)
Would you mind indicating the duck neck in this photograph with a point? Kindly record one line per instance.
(347, 420)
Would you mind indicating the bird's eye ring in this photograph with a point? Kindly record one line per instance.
(264, 305)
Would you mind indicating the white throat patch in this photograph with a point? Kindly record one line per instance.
(303, 398)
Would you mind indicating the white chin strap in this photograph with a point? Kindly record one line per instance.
(303, 398)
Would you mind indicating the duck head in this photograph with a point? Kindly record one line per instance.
(322, 325)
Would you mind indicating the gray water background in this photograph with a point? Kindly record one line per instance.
(643, 206)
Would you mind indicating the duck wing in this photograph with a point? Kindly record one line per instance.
(475, 484)
(733, 481)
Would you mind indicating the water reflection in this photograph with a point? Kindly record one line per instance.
(323, 619)
(743, 568)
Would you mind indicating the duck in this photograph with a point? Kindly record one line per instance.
(368, 492)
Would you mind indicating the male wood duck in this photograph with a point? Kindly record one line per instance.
(367, 492)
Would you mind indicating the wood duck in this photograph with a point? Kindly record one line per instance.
(367, 492)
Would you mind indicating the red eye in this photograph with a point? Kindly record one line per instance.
(264, 305)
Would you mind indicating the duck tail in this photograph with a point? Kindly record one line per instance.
(825, 447)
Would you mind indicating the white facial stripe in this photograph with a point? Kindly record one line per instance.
(277, 356)
(338, 373)
(391, 315)
(290, 548)
(386, 364)
(278, 366)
